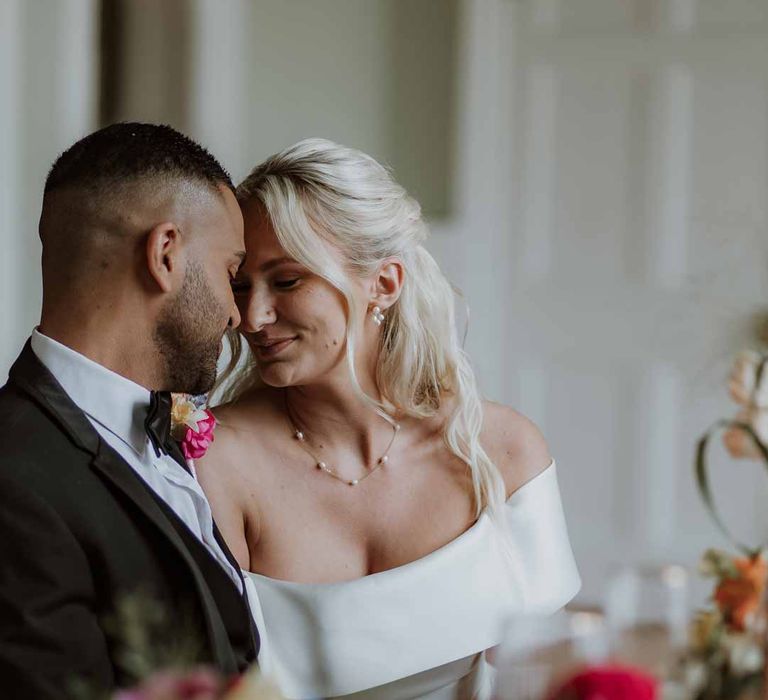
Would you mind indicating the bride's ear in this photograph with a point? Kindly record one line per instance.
(388, 283)
(164, 256)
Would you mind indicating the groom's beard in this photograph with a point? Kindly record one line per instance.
(188, 336)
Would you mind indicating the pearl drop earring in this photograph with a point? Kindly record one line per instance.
(378, 316)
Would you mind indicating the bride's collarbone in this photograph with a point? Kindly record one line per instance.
(312, 526)
(402, 491)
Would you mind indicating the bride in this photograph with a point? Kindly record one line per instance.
(388, 519)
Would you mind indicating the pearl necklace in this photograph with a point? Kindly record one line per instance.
(320, 464)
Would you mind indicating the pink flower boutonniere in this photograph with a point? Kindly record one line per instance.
(192, 426)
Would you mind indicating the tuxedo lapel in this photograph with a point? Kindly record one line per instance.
(114, 468)
(231, 558)
(32, 377)
(178, 456)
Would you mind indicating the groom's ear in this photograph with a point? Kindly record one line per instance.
(165, 259)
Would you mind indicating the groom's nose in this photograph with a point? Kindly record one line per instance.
(234, 317)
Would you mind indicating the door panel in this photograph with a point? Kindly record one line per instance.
(637, 177)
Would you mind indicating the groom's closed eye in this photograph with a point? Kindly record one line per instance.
(239, 285)
(236, 266)
(238, 260)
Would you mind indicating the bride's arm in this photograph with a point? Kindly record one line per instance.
(219, 476)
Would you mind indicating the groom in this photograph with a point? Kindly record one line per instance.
(99, 514)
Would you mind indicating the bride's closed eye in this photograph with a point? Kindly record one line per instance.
(239, 285)
(287, 283)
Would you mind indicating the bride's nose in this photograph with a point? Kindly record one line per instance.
(259, 311)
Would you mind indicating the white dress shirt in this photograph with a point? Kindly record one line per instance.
(117, 407)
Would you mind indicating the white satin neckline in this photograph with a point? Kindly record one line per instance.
(333, 639)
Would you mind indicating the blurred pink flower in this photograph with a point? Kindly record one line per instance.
(197, 684)
(608, 683)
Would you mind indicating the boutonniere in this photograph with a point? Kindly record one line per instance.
(192, 425)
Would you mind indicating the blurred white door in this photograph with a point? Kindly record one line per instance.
(612, 244)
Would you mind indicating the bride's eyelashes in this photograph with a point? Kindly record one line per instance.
(239, 286)
(286, 283)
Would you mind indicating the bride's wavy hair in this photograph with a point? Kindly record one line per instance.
(318, 193)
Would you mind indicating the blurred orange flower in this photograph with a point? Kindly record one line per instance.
(740, 596)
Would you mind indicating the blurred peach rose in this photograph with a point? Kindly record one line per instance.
(742, 382)
(752, 395)
(738, 442)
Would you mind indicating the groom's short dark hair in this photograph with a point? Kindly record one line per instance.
(130, 151)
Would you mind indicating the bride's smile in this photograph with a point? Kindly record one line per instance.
(269, 348)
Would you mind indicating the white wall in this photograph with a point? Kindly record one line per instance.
(48, 71)
(373, 74)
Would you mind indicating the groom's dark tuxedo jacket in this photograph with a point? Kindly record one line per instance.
(79, 533)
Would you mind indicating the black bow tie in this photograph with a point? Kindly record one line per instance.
(158, 422)
(158, 427)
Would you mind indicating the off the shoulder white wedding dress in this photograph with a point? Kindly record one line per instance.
(419, 630)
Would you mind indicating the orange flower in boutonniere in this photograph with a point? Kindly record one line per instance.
(739, 593)
(192, 426)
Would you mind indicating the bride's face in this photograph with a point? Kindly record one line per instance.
(294, 321)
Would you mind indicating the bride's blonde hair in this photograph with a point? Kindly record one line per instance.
(317, 193)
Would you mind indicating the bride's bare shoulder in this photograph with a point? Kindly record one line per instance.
(251, 415)
(514, 443)
(242, 425)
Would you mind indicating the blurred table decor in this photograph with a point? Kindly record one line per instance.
(162, 657)
(630, 651)
(646, 643)
(540, 654)
(726, 656)
(602, 682)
